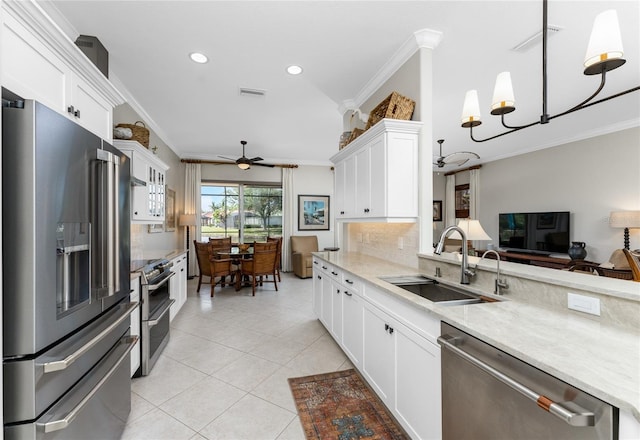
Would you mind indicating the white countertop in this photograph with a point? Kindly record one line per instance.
(600, 359)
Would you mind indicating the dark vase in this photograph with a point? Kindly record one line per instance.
(577, 250)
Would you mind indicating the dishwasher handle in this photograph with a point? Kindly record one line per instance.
(570, 412)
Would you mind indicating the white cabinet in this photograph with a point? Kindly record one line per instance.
(318, 277)
(135, 324)
(178, 284)
(148, 190)
(40, 62)
(377, 174)
(404, 370)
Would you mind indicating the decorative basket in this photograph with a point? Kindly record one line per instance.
(621, 274)
(354, 134)
(395, 106)
(140, 133)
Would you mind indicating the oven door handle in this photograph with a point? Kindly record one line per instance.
(164, 280)
(155, 321)
(570, 412)
(61, 364)
(67, 419)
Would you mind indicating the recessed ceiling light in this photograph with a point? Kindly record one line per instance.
(294, 70)
(198, 57)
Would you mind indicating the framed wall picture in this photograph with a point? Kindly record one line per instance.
(313, 213)
(437, 210)
(462, 201)
(170, 211)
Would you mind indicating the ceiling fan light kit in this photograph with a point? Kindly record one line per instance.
(244, 163)
(604, 53)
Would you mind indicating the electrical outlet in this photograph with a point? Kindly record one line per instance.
(585, 304)
(400, 243)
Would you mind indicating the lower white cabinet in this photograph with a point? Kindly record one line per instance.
(396, 358)
(134, 296)
(178, 284)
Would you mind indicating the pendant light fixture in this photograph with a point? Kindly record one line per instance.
(604, 53)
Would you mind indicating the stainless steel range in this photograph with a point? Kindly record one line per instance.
(66, 338)
(155, 297)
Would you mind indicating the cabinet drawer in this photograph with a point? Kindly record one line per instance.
(351, 282)
(420, 321)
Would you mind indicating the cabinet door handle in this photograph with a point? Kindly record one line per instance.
(324, 267)
(341, 212)
(390, 330)
(334, 273)
(347, 293)
(366, 210)
(338, 291)
(319, 277)
(70, 109)
(386, 327)
(315, 262)
(348, 281)
(76, 113)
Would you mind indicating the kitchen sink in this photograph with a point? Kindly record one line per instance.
(432, 290)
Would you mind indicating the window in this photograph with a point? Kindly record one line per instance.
(244, 212)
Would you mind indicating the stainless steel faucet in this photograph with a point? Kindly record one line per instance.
(498, 283)
(465, 273)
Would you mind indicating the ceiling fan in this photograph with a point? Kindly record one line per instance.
(244, 163)
(459, 158)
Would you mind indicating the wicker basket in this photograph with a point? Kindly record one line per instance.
(616, 273)
(395, 106)
(354, 134)
(140, 132)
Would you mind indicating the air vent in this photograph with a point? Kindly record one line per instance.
(536, 38)
(252, 92)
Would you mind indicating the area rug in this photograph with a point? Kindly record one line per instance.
(341, 406)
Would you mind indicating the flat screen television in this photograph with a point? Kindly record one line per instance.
(534, 232)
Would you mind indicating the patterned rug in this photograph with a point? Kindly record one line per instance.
(340, 406)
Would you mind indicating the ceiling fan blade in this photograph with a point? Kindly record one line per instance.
(269, 165)
(460, 158)
(228, 158)
(256, 159)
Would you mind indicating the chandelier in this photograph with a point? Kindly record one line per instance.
(604, 53)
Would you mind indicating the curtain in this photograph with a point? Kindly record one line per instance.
(288, 217)
(450, 201)
(474, 194)
(192, 178)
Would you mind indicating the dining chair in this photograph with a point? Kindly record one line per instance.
(278, 241)
(220, 245)
(223, 268)
(202, 254)
(261, 264)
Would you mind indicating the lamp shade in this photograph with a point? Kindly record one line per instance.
(605, 45)
(503, 100)
(471, 109)
(624, 219)
(187, 220)
(472, 229)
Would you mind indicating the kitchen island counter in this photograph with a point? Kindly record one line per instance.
(599, 358)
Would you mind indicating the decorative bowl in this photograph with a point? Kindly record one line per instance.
(244, 247)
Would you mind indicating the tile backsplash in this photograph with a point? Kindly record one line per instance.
(384, 240)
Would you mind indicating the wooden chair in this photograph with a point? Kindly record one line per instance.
(262, 263)
(220, 245)
(278, 241)
(204, 254)
(221, 267)
(634, 263)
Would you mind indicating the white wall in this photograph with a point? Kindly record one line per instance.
(318, 181)
(589, 178)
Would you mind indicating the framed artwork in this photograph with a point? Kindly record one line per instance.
(313, 213)
(170, 211)
(437, 210)
(462, 201)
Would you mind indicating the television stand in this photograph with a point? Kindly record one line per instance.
(530, 258)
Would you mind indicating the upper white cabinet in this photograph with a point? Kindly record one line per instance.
(376, 176)
(39, 62)
(148, 183)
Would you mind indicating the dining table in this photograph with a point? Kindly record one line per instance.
(237, 256)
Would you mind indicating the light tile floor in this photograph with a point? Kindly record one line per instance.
(224, 373)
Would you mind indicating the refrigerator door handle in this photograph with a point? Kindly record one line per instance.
(62, 364)
(110, 236)
(65, 420)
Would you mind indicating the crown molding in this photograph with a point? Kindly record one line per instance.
(41, 26)
(422, 39)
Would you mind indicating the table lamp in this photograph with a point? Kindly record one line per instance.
(627, 220)
(473, 230)
(187, 220)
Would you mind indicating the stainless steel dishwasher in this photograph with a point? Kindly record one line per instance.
(489, 394)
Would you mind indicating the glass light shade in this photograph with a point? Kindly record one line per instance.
(243, 166)
(605, 45)
(503, 100)
(187, 220)
(471, 109)
(624, 219)
(198, 57)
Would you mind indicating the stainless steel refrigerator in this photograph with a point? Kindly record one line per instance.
(66, 230)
